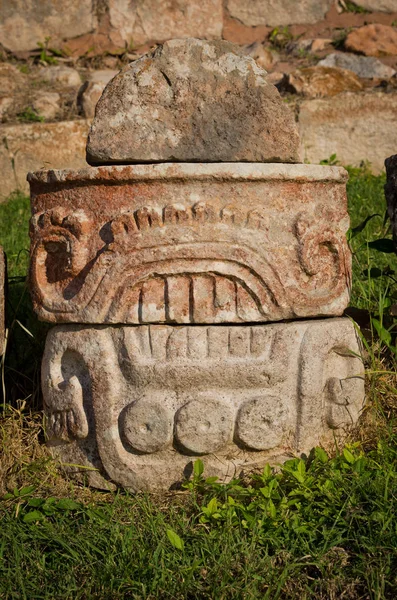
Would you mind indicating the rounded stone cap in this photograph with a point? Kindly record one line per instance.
(192, 100)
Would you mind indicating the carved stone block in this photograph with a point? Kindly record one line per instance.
(137, 405)
(189, 243)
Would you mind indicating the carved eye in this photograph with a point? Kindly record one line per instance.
(57, 247)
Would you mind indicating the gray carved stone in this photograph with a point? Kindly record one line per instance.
(135, 406)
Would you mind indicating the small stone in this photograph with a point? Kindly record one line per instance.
(110, 62)
(47, 105)
(276, 78)
(264, 57)
(309, 45)
(317, 82)
(282, 12)
(320, 44)
(373, 40)
(6, 102)
(366, 67)
(192, 100)
(91, 91)
(60, 75)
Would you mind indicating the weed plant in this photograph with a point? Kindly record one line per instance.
(319, 527)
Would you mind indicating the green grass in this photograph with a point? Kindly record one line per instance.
(320, 528)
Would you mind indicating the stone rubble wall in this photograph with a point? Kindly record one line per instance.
(24, 23)
(333, 62)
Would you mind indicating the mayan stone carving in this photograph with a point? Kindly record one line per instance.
(139, 404)
(170, 277)
(189, 243)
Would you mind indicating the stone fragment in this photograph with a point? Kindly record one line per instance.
(310, 45)
(355, 127)
(2, 300)
(276, 78)
(391, 193)
(140, 404)
(366, 67)
(47, 105)
(23, 23)
(10, 77)
(320, 44)
(263, 56)
(373, 40)
(281, 12)
(192, 100)
(6, 102)
(60, 75)
(388, 6)
(146, 21)
(91, 91)
(36, 145)
(316, 82)
(189, 243)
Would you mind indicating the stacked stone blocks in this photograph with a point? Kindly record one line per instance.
(190, 292)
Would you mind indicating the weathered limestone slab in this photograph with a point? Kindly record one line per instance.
(34, 146)
(389, 6)
(189, 243)
(192, 100)
(144, 21)
(355, 127)
(140, 404)
(24, 23)
(278, 12)
(2, 299)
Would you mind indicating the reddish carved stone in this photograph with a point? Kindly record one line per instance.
(189, 243)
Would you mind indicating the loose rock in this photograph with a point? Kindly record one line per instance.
(91, 91)
(366, 67)
(263, 56)
(317, 82)
(10, 78)
(60, 75)
(47, 105)
(373, 40)
(192, 100)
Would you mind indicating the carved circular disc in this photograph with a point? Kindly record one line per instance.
(261, 422)
(147, 425)
(204, 425)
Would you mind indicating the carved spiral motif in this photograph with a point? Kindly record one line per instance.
(322, 257)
